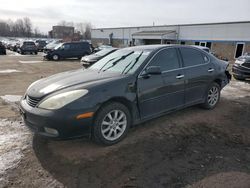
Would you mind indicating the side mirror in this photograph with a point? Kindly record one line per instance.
(151, 70)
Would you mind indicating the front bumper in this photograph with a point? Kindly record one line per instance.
(241, 71)
(62, 121)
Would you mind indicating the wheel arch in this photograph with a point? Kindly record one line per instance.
(218, 81)
(129, 104)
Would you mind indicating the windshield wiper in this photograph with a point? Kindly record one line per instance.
(115, 62)
(136, 60)
(105, 64)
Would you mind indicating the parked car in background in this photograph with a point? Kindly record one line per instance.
(127, 87)
(206, 49)
(91, 59)
(27, 47)
(2, 49)
(241, 67)
(68, 50)
(102, 47)
(50, 46)
(40, 44)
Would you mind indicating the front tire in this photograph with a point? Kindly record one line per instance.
(55, 57)
(212, 96)
(112, 123)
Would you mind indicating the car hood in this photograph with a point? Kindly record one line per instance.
(92, 57)
(83, 77)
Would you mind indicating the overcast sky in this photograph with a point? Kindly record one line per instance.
(115, 13)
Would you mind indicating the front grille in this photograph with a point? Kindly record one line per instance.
(246, 64)
(32, 101)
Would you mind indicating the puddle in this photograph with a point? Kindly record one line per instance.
(9, 71)
(27, 62)
(14, 139)
(11, 98)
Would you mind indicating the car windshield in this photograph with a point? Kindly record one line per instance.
(104, 52)
(122, 61)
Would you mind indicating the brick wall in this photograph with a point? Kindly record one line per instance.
(247, 47)
(224, 50)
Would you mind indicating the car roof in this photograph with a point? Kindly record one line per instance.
(159, 46)
(84, 42)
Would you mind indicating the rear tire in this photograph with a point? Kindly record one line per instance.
(111, 124)
(212, 96)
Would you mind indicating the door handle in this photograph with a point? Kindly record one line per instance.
(179, 76)
(210, 70)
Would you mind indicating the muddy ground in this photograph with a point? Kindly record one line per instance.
(189, 148)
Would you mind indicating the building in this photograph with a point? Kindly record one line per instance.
(227, 40)
(62, 32)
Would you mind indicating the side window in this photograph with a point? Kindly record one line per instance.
(167, 59)
(192, 57)
(66, 46)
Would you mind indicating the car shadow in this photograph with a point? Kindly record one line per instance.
(174, 150)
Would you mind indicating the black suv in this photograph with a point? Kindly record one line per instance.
(40, 44)
(241, 67)
(27, 46)
(69, 50)
(2, 49)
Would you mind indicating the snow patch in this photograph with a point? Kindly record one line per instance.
(14, 139)
(9, 71)
(27, 62)
(11, 98)
(236, 90)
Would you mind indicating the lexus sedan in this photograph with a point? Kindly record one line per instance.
(127, 87)
(241, 67)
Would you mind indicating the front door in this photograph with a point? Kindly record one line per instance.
(160, 93)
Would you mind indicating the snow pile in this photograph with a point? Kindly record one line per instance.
(11, 98)
(236, 90)
(13, 141)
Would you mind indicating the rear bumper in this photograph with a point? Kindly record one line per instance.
(241, 71)
(63, 122)
(29, 50)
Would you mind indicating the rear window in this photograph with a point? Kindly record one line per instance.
(29, 43)
(192, 57)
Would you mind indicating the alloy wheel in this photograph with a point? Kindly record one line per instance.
(113, 125)
(213, 96)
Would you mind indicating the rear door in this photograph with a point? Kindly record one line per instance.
(164, 92)
(199, 73)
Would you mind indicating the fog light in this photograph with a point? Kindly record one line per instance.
(51, 131)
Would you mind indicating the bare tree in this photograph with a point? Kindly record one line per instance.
(65, 23)
(27, 26)
(87, 33)
(19, 28)
(84, 29)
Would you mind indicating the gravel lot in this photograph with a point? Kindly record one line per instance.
(189, 148)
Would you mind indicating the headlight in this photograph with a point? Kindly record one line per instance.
(62, 99)
(239, 62)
